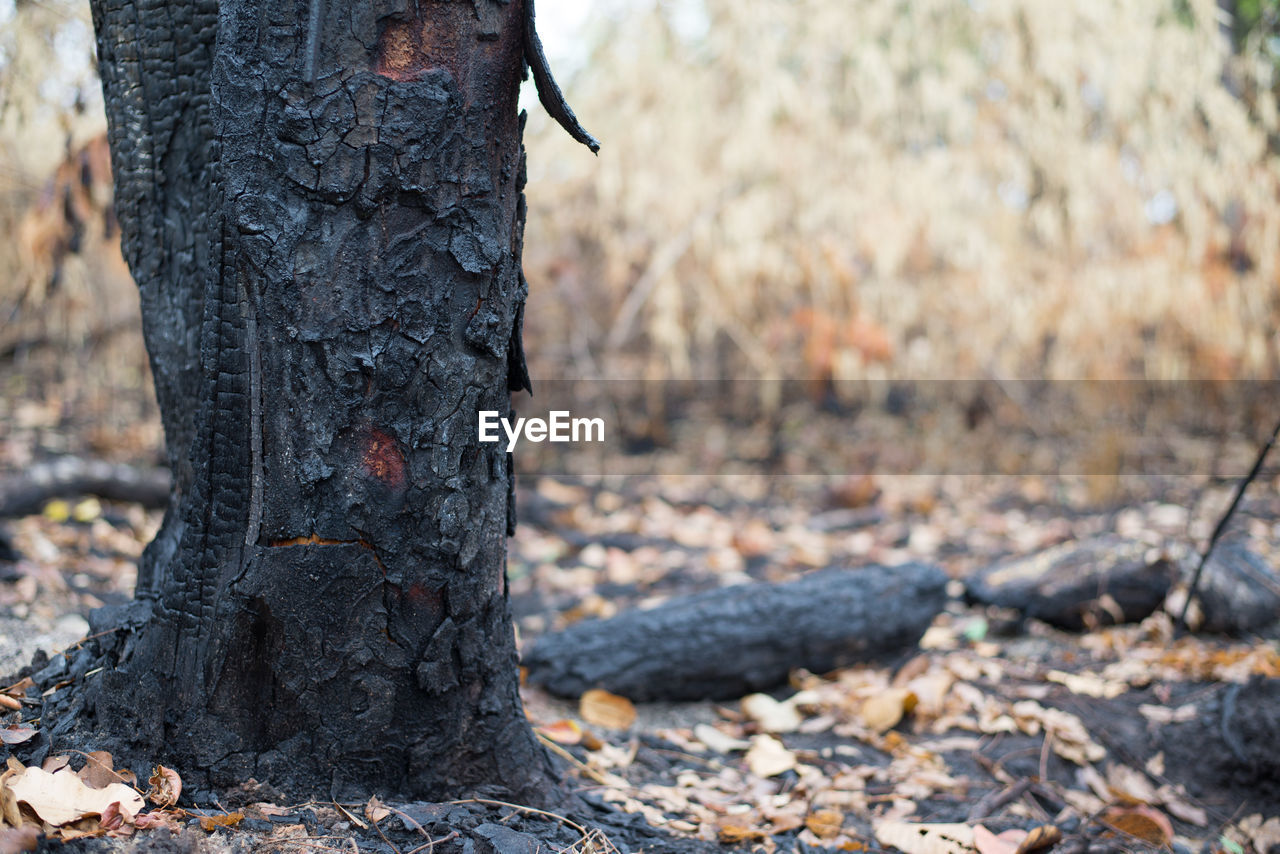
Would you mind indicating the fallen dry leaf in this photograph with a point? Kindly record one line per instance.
(210, 823)
(1175, 800)
(1067, 733)
(732, 832)
(1142, 822)
(16, 734)
(912, 838)
(171, 819)
(112, 818)
(166, 786)
(563, 731)
(62, 797)
(18, 690)
(1088, 684)
(883, 711)
(1131, 786)
(375, 811)
(771, 715)
(1007, 842)
(99, 770)
(53, 763)
(600, 708)
(717, 740)
(767, 757)
(1263, 835)
(9, 703)
(825, 824)
(1039, 838)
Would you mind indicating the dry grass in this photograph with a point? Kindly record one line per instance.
(910, 188)
(889, 188)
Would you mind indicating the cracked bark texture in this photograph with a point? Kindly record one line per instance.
(322, 205)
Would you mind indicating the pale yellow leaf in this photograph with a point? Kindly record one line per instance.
(1088, 684)
(63, 797)
(912, 838)
(768, 757)
(883, 711)
(771, 715)
(1176, 802)
(600, 708)
(717, 740)
(991, 843)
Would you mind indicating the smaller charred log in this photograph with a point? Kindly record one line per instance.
(725, 643)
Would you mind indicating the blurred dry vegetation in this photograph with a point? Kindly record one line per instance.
(914, 188)
(787, 189)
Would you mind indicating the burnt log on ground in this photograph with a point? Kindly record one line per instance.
(1239, 592)
(1079, 585)
(25, 492)
(725, 643)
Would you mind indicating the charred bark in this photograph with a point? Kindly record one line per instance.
(335, 192)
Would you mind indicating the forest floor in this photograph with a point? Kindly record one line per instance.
(1122, 738)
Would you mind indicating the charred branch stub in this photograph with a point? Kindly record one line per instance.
(325, 216)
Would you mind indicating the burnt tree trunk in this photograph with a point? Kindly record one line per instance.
(322, 205)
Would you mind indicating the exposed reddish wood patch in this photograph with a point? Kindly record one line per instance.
(312, 540)
(406, 48)
(382, 458)
(424, 596)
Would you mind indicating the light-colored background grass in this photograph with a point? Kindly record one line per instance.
(805, 189)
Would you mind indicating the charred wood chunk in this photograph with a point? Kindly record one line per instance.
(25, 493)
(1239, 591)
(725, 643)
(1079, 585)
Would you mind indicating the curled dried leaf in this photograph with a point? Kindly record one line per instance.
(375, 811)
(111, 818)
(166, 786)
(1040, 838)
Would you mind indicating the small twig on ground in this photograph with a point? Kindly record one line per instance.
(390, 844)
(587, 835)
(994, 800)
(1222, 523)
(572, 760)
(430, 844)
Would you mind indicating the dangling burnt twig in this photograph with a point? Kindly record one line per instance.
(548, 90)
(1222, 523)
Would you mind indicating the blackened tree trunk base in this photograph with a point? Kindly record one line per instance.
(725, 643)
(322, 205)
